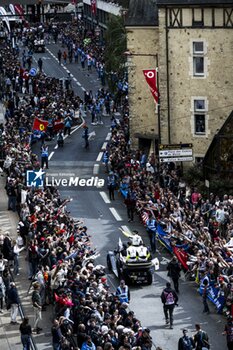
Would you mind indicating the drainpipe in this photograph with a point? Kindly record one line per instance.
(168, 87)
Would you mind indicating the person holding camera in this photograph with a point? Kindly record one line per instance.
(169, 299)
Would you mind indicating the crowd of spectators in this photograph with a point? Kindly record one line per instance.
(59, 252)
(60, 257)
(199, 226)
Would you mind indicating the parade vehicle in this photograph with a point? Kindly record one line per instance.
(39, 46)
(127, 263)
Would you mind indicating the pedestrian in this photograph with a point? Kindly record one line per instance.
(106, 160)
(169, 299)
(123, 293)
(56, 335)
(26, 331)
(64, 57)
(88, 344)
(37, 307)
(205, 296)
(40, 279)
(12, 195)
(2, 293)
(228, 331)
(59, 54)
(13, 302)
(67, 123)
(174, 270)
(83, 58)
(40, 64)
(111, 184)
(130, 203)
(186, 342)
(86, 136)
(16, 251)
(152, 229)
(201, 338)
(44, 156)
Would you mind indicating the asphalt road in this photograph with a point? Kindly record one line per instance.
(104, 218)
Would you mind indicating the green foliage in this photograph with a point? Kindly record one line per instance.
(218, 184)
(115, 46)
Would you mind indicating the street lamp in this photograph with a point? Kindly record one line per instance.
(97, 31)
(97, 34)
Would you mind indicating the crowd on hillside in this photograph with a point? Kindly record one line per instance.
(58, 249)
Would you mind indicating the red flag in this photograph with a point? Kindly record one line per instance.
(40, 124)
(58, 125)
(93, 7)
(151, 78)
(19, 9)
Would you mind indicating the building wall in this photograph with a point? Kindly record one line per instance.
(141, 41)
(216, 87)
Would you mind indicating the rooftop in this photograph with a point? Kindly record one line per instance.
(142, 13)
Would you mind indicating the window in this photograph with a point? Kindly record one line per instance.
(198, 59)
(198, 17)
(199, 117)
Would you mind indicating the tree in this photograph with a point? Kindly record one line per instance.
(115, 46)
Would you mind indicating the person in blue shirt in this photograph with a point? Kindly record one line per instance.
(44, 156)
(88, 344)
(111, 183)
(151, 229)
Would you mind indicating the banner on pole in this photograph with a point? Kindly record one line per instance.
(94, 7)
(151, 79)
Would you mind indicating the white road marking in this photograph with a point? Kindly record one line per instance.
(65, 137)
(67, 70)
(126, 229)
(108, 137)
(115, 214)
(79, 126)
(105, 197)
(104, 145)
(50, 156)
(100, 155)
(56, 147)
(96, 169)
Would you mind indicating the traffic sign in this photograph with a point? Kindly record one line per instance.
(176, 153)
(176, 146)
(180, 152)
(176, 159)
(33, 72)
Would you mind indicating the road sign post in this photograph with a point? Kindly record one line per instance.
(182, 152)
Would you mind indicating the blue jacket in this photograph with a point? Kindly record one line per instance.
(13, 297)
(85, 346)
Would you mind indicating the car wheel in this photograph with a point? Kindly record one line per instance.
(109, 264)
(149, 279)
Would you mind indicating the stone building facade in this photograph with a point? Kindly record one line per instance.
(194, 43)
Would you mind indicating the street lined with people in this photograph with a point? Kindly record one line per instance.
(60, 256)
